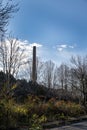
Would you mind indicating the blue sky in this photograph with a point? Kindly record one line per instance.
(60, 26)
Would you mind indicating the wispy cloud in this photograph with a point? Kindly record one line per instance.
(63, 47)
(72, 47)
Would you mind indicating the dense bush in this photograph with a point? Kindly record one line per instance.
(54, 109)
(7, 118)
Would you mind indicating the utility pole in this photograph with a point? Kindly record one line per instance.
(34, 72)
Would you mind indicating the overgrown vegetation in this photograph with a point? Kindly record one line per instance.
(30, 104)
(33, 112)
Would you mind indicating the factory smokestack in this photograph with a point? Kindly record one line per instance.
(34, 73)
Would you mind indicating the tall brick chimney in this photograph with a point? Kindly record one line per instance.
(34, 72)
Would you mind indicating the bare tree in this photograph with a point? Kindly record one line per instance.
(48, 74)
(79, 66)
(63, 74)
(40, 70)
(6, 11)
(56, 78)
(12, 57)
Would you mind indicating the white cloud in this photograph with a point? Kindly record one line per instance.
(28, 46)
(62, 47)
(36, 44)
(71, 47)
